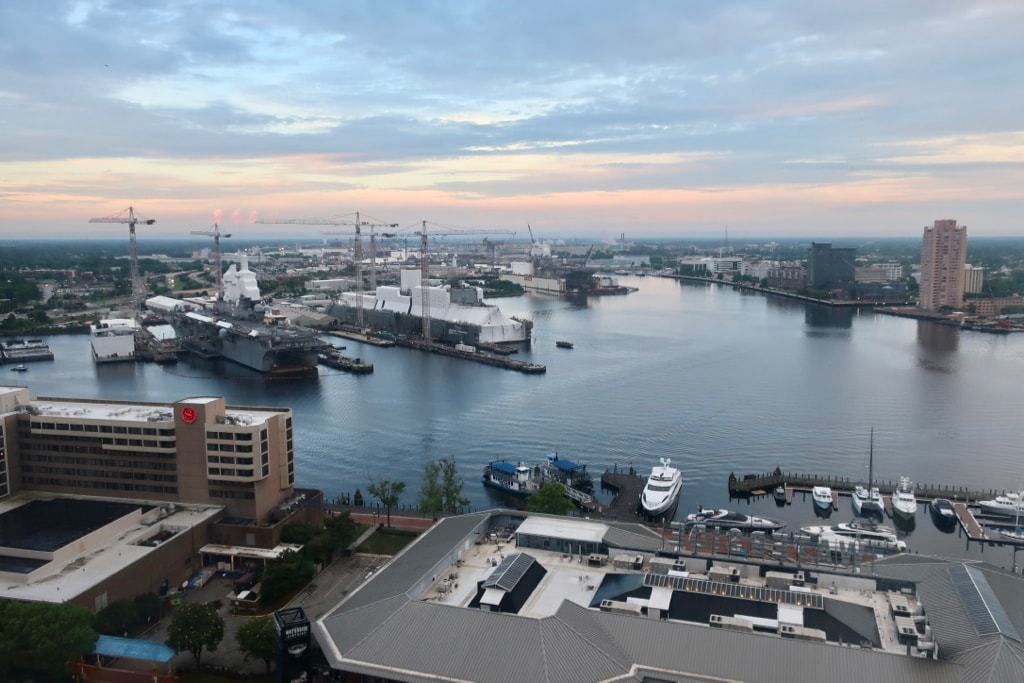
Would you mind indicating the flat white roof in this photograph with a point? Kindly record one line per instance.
(128, 412)
(244, 551)
(83, 573)
(565, 528)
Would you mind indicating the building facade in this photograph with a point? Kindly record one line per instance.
(974, 279)
(943, 261)
(196, 450)
(828, 265)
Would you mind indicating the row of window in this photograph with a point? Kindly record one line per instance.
(226, 472)
(29, 448)
(81, 473)
(229, 447)
(242, 495)
(104, 464)
(106, 485)
(102, 429)
(232, 436)
(227, 460)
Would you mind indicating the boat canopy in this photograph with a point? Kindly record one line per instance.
(567, 466)
(503, 466)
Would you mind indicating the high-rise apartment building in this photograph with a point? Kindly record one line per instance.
(943, 257)
(974, 279)
(828, 266)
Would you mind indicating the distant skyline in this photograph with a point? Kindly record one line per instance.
(582, 119)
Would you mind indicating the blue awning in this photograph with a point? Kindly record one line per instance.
(131, 648)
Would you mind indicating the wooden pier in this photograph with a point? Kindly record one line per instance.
(761, 484)
(627, 486)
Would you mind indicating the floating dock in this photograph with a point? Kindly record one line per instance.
(475, 356)
(371, 339)
(760, 484)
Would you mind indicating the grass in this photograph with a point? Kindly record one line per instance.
(386, 541)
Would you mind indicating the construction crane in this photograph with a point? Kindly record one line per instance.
(133, 253)
(357, 251)
(215, 234)
(425, 264)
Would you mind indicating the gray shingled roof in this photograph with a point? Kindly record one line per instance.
(380, 629)
(986, 659)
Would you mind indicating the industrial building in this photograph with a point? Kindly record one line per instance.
(505, 595)
(104, 500)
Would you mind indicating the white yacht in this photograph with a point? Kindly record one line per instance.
(904, 503)
(867, 501)
(662, 489)
(1005, 505)
(864, 535)
(822, 497)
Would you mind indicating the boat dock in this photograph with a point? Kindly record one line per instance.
(371, 339)
(760, 484)
(474, 355)
(627, 486)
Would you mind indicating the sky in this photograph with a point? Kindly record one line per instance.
(577, 118)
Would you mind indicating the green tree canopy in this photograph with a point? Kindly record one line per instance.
(43, 637)
(387, 492)
(194, 626)
(286, 574)
(550, 499)
(441, 488)
(256, 639)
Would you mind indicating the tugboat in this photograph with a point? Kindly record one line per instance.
(563, 344)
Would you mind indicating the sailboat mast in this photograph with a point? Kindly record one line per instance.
(871, 462)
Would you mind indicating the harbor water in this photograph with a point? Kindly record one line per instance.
(716, 379)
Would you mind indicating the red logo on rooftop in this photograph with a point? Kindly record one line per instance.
(188, 415)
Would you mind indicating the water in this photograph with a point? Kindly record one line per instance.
(717, 380)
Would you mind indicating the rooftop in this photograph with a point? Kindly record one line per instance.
(574, 600)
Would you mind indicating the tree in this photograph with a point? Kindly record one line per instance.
(194, 626)
(441, 488)
(43, 637)
(256, 639)
(387, 492)
(550, 499)
(285, 574)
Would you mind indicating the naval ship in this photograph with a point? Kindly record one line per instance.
(233, 327)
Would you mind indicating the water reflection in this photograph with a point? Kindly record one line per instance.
(839, 317)
(937, 345)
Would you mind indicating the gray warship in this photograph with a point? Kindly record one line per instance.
(233, 327)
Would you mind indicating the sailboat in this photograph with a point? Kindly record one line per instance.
(867, 501)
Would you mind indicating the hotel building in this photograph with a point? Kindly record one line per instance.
(101, 473)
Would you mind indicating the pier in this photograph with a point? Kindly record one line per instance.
(352, 335)
(475, 356)
(761, 484)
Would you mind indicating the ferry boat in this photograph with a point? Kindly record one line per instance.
(662, 489)
(516, 479)
(864, 535)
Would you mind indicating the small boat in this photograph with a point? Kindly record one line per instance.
(1016, 534)
(904, 503)
(1005, 505)
(568, 473)
(19, 368)
(516, 479)
(662, 489)
(563, 344)
(867, 501)
(943, 513)
(822, 497)
(864, 535)
(780, 494)
(727, 519)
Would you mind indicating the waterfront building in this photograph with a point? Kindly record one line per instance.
(113, 487)
(943, 261)
(828, 266)
(788, 278)
(507, 595)
(974, 278)
(878, 272)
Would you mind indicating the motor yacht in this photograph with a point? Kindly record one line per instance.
(904, 503)
(727, 519)
(1005, 505)
(864, 535)
(662, 489)
(822, 497)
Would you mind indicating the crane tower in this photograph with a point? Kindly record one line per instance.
(128, 216)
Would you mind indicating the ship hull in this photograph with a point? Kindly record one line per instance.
(407, 324)
(272, 351)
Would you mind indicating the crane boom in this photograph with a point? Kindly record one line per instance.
(425, 265)
(357, 251)
(216, 235)
(129, 216)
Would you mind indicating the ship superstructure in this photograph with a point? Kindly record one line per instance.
(233, 327)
